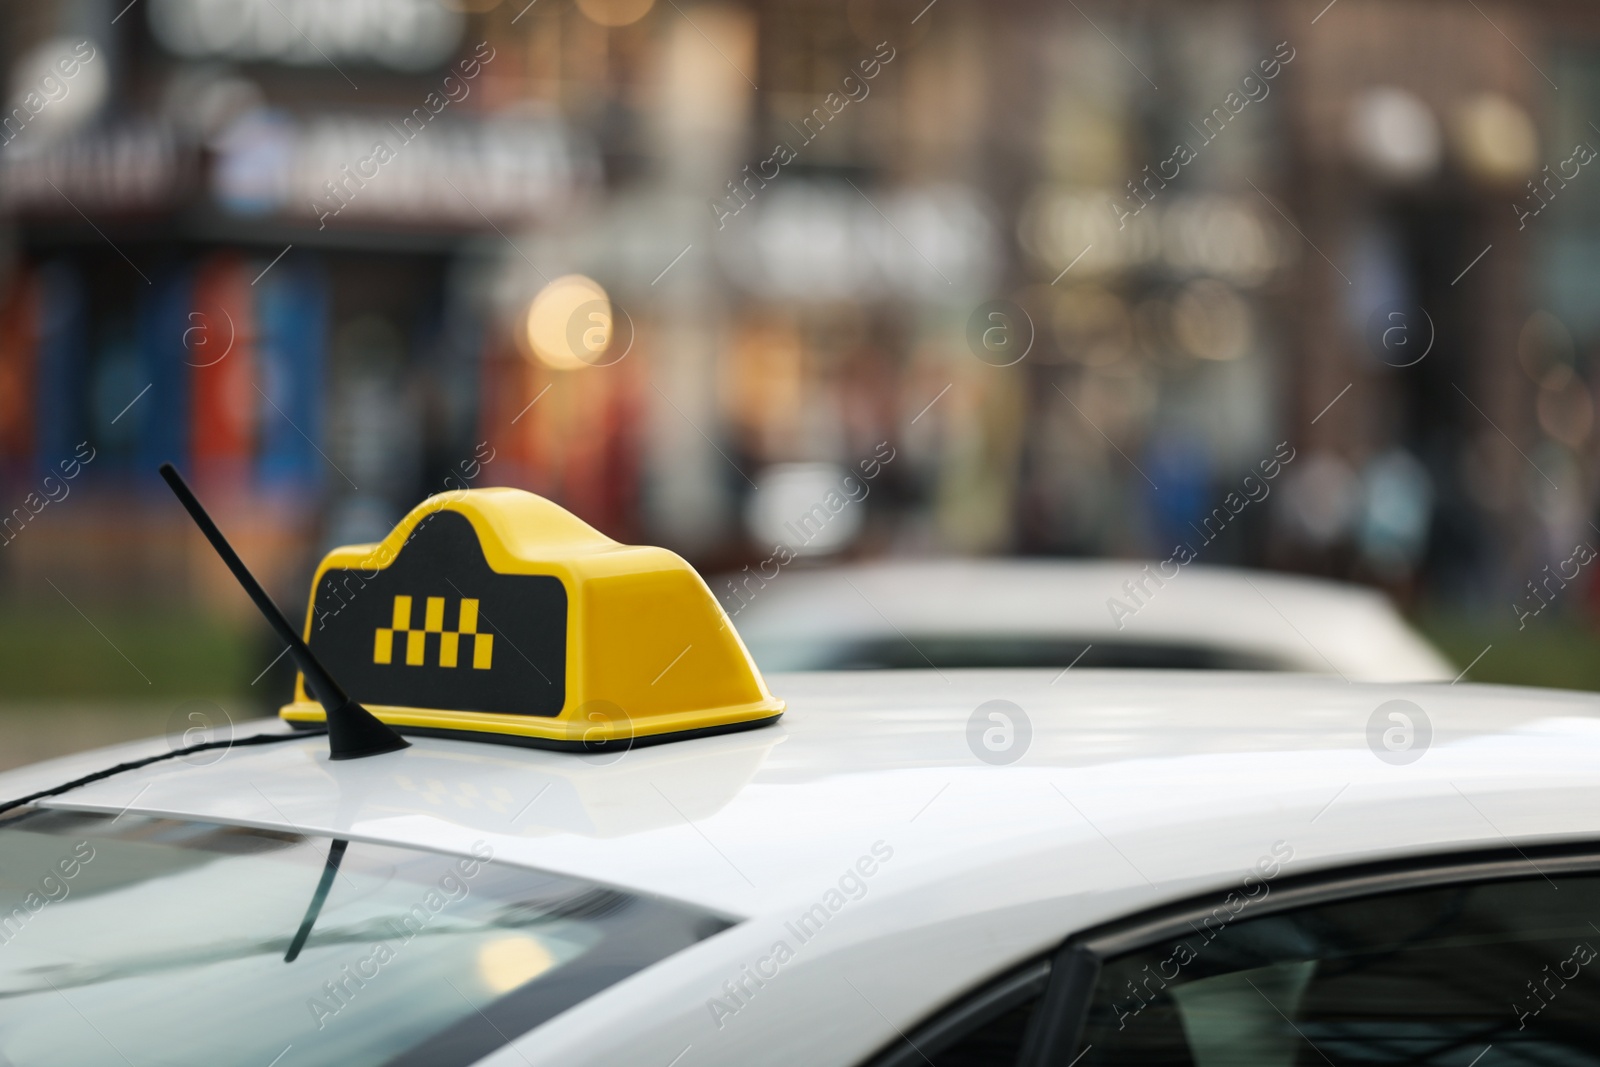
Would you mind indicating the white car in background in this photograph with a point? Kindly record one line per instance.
(1025, 613)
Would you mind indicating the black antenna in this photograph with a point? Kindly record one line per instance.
(353, 731)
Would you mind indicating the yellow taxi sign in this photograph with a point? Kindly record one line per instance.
(497, 612)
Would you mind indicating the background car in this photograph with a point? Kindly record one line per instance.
(1037, 613)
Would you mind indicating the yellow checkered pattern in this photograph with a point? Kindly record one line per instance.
(416, 641)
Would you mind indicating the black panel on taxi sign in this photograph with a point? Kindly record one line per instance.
(437, 628)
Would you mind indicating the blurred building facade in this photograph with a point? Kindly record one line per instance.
(1288, 284)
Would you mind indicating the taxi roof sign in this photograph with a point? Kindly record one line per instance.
(497, 614)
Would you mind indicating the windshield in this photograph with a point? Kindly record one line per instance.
(145, 940)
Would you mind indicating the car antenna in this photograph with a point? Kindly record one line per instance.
(353, 731)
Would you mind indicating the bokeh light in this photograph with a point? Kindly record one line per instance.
(1496, 138)
(615, 12)
(568, 325)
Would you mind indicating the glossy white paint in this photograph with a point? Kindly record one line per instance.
(1138, 788)
(1306, 624)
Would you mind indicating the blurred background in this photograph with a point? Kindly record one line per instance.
(1066, 273)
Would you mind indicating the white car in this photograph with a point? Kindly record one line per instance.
(1037, 613)
(564, 820)
(996, 868)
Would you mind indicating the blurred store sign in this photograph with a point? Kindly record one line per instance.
(822, 241)
(458, 172)
(1210, 234)
(130, 167)
(402, 34)
(455, 174)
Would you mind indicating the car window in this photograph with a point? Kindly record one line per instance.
(1428, 976)
(174, 942)
(896, 652)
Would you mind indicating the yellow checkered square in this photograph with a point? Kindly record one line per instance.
(433, 623)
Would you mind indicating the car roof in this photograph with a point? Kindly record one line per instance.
(1140, 753)
(1136, 789)
(1307, 624)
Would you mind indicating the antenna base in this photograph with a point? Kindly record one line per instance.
(354, 733)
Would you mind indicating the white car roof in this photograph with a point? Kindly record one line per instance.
(1309, 625)
(1137, 788)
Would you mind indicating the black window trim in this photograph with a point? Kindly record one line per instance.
(955, 1020)
(1069, 973)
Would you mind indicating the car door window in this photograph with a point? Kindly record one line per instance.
(1427, 976)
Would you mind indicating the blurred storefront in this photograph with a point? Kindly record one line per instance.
(1088, 269)
(228, 251)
